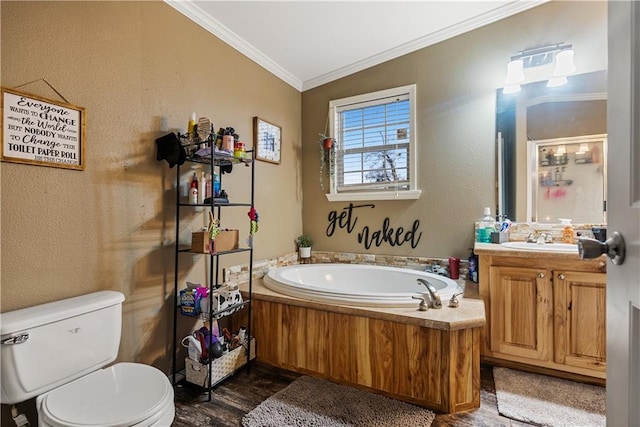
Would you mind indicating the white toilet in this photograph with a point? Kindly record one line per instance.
(58, 351)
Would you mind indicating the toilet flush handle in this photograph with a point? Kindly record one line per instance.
(16, 339)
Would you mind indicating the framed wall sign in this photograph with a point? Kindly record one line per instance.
(40, 131)
(267, 138)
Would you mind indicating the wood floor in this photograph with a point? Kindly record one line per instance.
(248, 388)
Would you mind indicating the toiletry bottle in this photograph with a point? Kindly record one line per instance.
(202, 185)
(544, 160)
(208, 186)
(195, 349)
(193, 190)
(567, 230)
(242, 334)
(216, 184)
(486, 226)
(191, 127)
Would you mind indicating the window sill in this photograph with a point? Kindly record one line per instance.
(390, 195)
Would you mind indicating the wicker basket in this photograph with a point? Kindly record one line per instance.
(221, 367)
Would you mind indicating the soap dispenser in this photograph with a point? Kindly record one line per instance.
(567, 230)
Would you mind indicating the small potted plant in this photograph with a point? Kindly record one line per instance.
(326, 144)
(327, 141)
(304, 245)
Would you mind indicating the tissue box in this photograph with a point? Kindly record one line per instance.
(200, 242)
(226, 240)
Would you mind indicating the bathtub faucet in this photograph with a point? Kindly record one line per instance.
(432, 295)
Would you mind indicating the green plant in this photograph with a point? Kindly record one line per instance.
(326, 144)
(304, 241)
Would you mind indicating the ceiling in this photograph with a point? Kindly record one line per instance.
(309, 43)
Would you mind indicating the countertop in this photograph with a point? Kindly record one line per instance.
(469, 313)
(500, 255)
(497, 249)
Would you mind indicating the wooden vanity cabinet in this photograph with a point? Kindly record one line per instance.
(545, 311)
(580, 319)
(521, 312)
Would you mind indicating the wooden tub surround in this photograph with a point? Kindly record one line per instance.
(430, 358)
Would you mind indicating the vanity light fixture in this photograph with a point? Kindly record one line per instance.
(560, 55)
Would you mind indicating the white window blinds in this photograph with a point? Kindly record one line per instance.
(373, 145)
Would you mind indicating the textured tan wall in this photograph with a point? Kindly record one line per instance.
(139, 69)
(456, 90)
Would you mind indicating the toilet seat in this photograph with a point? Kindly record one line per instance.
(125, 394)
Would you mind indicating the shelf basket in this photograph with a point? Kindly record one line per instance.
(196, 373)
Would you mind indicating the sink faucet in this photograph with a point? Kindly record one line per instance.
(432, 296)
(541, 239)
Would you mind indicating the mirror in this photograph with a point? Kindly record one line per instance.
(541, 117)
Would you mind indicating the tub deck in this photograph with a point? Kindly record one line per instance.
(428, 358)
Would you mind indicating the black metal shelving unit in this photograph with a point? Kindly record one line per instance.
(216, 160)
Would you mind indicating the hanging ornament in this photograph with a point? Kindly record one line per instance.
(213, 227)
(253, 216)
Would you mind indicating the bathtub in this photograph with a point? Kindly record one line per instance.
(356, 284)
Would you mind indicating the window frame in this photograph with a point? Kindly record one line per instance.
(412, 192)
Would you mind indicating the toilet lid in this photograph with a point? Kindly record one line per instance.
(121, 395)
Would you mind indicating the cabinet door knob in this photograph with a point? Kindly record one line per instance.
(561, 276)
(541, 275)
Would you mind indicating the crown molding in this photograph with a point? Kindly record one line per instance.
(197, 15)
(218, 29)
(422, 42)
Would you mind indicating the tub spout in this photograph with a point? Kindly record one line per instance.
(432, 294)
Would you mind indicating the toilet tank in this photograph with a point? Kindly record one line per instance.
(48, 345)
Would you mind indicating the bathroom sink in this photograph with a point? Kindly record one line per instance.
(546, 247)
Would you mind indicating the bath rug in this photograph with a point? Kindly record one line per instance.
(310, 401)
(548, 401)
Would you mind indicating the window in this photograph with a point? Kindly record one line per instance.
(375, 154)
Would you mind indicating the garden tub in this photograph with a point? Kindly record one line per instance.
(356, 284)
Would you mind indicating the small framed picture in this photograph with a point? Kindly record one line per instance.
(267, 138)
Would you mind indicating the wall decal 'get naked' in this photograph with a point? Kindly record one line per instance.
(386, 234)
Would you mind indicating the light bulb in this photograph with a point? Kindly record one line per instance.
(564, 63)
(515, 72)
